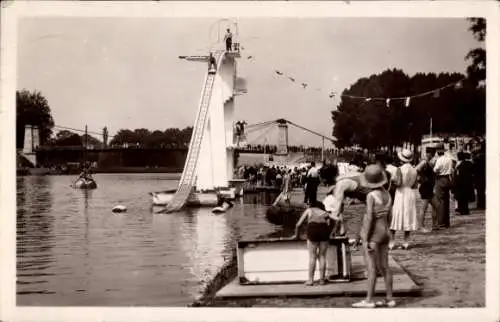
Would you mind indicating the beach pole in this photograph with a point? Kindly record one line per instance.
(322, 149)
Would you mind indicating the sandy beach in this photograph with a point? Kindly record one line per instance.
(449, 266)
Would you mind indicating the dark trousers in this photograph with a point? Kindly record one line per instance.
(441, 200)
(481, 197)
(312, 190)
(463, 204)
(229, 44)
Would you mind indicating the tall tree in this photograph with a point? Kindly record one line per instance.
(123, 136)
(374, 122)
(477, 56)
(32, 108)
(72, 140)
(370, 123)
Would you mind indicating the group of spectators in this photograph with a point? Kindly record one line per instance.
(272, 176)
(270, 148)
(443, 179)
(388, 186)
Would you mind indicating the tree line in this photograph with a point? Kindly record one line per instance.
(170, 138)
(374, 123)
(32, 108)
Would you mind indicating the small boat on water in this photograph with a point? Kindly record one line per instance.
(85, 183)
(223, 207)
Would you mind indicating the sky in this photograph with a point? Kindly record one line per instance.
(125, 72)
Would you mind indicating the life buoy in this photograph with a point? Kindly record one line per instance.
(119, 208)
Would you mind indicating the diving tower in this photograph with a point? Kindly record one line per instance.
(209, 162)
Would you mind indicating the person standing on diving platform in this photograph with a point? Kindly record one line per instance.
(228, 38)
(212, 64)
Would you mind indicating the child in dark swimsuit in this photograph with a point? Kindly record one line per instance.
(318, 234)
(376, 235)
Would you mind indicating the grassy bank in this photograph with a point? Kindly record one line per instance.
(448, 264)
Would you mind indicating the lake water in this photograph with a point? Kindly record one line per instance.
(73, 251)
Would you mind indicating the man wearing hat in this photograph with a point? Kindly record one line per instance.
(443, 169)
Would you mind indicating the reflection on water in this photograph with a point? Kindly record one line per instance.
(72, 250)
(261, 197)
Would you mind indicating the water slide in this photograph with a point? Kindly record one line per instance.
(188, 178)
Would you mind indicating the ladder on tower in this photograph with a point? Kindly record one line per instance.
(188, 178)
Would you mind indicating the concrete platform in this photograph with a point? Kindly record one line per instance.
(402, 284)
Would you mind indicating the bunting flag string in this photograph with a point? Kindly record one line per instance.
(407, 99)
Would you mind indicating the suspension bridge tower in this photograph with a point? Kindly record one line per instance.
(31, 143)
(282, 148)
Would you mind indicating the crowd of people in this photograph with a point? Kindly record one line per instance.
(388, 186)
(272, 176)
(270, 148)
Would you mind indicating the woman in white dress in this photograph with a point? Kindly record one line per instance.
(404, 209)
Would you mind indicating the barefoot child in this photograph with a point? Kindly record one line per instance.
(375, 235)
(318, 234)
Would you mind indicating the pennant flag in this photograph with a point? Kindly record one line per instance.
(436, 94)
(291, 78)
(279, 73)
(458, 85)
(387, 102)
(304, 85)
(407, 101)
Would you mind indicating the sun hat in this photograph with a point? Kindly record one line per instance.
(373, 177)
(405, 155)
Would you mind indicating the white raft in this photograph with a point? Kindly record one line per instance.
(196, 199)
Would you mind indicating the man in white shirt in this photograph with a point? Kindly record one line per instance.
(443, 169)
